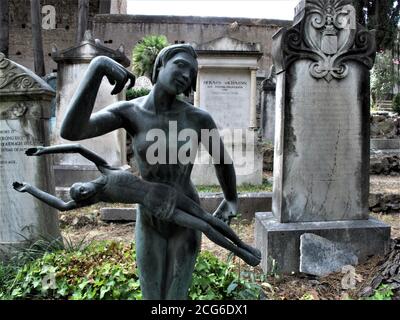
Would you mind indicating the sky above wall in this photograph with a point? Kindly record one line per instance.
(265, 9)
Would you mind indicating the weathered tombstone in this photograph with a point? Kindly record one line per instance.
(226, 88)
(72, 64)
(268, 107)
(321, 178)
(51, 80)
(24, 122)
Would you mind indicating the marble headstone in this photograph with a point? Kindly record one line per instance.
(25, 106)
(321, 160)
(268, 107)
(72, 64)
(226, 88)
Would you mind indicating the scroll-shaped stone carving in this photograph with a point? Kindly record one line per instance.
(13, 78)
(328, 34)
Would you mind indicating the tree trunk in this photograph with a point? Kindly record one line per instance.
(4, 27)
(83, 19)
(37, 38)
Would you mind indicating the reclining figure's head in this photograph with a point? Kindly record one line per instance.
(82, 191)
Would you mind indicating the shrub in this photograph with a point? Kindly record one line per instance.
(101, 271)
(396, 103)
(383, 292)
(216, 280)
(134, 93)
(107, 271)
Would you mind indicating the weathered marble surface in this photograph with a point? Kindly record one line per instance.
(320, 257)
(321, 160)
(24, 122)
(268, 103)
(280, 242)
(226, 88)
(325, 157)
(226, 95)
(72, 65)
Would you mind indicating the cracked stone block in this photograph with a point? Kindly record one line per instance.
(320, 256)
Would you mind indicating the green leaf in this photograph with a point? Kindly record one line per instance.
(231, 287)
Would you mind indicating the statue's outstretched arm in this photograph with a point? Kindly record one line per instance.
(69, 148)
(79, 123)
(47, 198)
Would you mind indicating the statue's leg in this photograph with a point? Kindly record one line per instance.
(183, 248)
(151, 250)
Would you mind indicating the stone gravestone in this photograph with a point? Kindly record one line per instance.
(321, 162)
(268, 107)
(24, 122)
(72, 64)
(51, 80)
(226, 88)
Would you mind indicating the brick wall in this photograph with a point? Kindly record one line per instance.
(129, 29)
(63, 36)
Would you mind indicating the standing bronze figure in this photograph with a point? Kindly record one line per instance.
(166, 250)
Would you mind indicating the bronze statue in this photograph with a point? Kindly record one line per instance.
(167, 239)
(118, 186)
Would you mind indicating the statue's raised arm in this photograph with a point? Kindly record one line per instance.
(79, 122)
(100, 163)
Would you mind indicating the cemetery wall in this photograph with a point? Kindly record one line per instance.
(63, 36)
(129, 29)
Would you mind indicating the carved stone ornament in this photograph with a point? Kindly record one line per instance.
(329, 35)
(14, 78)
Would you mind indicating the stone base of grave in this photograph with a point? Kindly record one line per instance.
(118, 214)
(67, 175)
(280, 242)
(249, 203)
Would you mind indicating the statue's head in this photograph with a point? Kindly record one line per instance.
(82, 191)
(176, 69)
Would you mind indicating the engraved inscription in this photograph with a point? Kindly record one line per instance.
(16, 166)
(226, 95)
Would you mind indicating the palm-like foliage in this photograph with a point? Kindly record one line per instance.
(145, 53)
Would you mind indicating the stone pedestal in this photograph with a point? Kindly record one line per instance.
(226, 88)
(25, 104)
(281, 241)
(321, 160)
(72, 64)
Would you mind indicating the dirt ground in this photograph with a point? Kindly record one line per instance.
(85, 225)
(275, 287)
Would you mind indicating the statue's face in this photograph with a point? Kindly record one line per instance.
(82, 191)
(177, 73)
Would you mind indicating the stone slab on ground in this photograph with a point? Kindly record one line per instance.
(384, 144)
(280, 242)
(320, 256)
(118, 214)
(249, 203)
